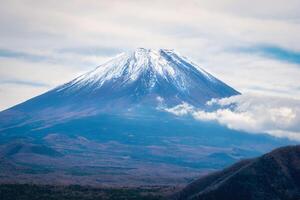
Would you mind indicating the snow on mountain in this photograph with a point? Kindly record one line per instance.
(148, 74)
(129, 66)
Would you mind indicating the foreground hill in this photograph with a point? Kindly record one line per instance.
(273, 176)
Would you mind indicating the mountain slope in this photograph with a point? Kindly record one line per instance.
(109, 126)
(275, 175)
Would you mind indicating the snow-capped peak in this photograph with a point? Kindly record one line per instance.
(130, 66)
(146, 75)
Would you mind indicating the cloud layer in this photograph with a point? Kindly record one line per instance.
(279, 117)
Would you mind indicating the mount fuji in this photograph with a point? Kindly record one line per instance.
(141, 78)
(107, 126)
(145, 75)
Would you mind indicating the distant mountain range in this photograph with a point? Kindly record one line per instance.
(109, 126)
(273, 176)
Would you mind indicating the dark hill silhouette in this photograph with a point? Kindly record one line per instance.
(275, 175)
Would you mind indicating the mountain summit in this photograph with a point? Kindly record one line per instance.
(145, 75)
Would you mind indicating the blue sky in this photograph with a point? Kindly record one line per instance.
(274, 52)
(250, 45)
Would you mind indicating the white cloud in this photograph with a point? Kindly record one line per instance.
(180, 110)
(277, 116)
